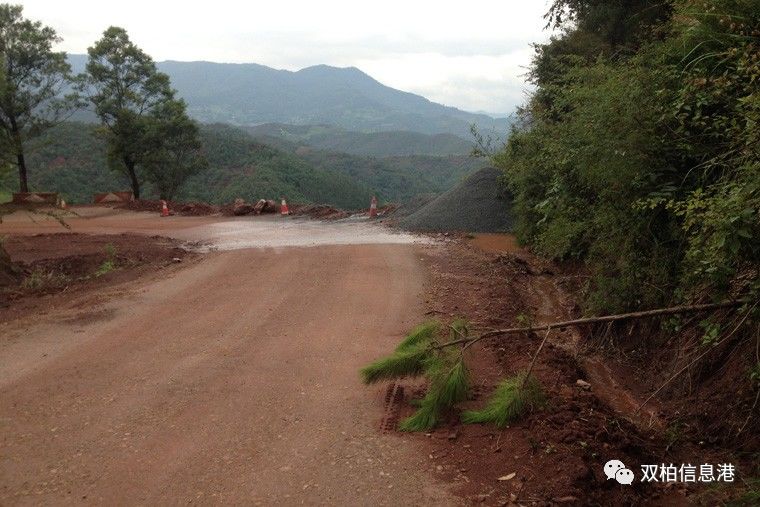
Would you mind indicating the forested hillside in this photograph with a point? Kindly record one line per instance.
(251, 94)
(375, 144)
(638, 153)
(71, 159)
(400, 178)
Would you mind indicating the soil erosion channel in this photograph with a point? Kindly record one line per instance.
(233, 380)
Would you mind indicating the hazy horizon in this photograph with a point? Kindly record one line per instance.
(474, 60)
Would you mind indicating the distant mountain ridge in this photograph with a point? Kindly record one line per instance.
(252, 94)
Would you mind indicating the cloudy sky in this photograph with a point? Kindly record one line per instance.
(471, 55)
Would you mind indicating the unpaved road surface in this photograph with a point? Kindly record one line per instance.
(232, 380)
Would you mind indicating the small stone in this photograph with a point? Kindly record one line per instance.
(583, 384)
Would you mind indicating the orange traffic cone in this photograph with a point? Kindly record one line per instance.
(284, 208)
(164, 209)
(373, 207)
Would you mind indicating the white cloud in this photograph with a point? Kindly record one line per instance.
(469, 55)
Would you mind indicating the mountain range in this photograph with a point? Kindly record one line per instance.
(252, 94)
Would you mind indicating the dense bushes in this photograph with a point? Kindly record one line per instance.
(639, 153)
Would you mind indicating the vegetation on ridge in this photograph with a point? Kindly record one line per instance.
(637, 153)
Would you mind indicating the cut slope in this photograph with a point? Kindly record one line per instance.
(475, 205)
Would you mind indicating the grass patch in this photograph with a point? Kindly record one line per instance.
(110, 263)
(41, 279)
(513, 399)
(106, 267)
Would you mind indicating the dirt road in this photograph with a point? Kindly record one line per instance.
(233, 380)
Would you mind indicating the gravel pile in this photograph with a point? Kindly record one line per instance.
(475, 205)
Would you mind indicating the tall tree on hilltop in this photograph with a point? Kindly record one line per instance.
(173, 148)
(125, 87)
(32, 85)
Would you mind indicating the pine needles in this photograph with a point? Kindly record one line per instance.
(414, 356)
(411, 358)
(448, 386)
(513, 398)
(400, 364)
(448, 380)
(422, 334)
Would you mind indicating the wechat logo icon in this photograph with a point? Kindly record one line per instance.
(615, 469)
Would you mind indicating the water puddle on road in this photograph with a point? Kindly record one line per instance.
(268, 233)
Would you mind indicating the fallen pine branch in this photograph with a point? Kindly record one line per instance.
(595, 320)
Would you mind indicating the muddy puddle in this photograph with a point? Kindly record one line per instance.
(281, 233)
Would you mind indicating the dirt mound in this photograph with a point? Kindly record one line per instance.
(9, 273)
(475, 205)
(50, 263)
(195, 209)
(321, 211)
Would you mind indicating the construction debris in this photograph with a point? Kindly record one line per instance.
(321, 211)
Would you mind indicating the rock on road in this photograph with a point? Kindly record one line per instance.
(233, 380)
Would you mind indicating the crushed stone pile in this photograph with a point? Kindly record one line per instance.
(475, 205)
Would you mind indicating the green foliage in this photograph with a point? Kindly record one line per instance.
(638, 152)
(512, 399)
(448, 386)
(712, 332)
(110, 263)
(754, 373)
(406, 363)
(423, 334)
(32, 85)
(239, 166)
(70, 157)
(105, 268)
(110, 250)
(39, 279)
(444, 370)
(125, 88)
(172, 148)
(411, 357)
(397, 178)
(750, 495)
(373, 144)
